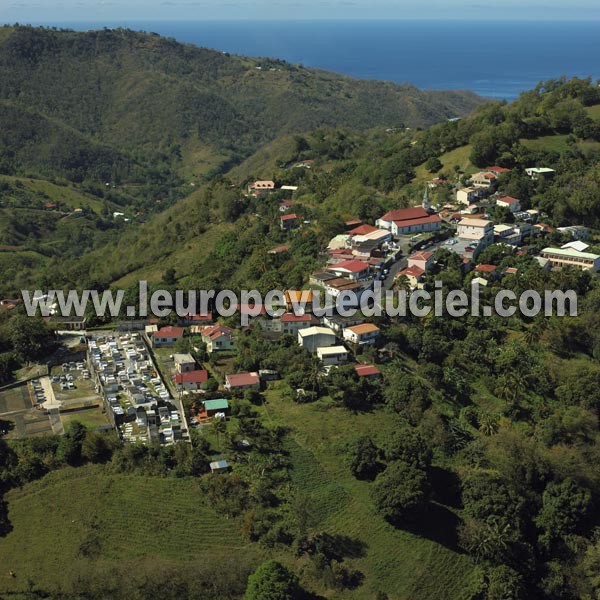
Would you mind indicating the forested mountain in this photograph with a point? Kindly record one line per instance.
(94, 97)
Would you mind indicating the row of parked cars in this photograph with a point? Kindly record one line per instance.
(38, 391)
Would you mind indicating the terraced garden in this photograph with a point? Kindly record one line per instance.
(88, 518)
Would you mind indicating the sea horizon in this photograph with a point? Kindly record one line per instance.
(496, 60)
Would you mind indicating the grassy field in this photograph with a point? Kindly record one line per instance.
(459, 156)
(403, 565)
(594, 111)
(558, 143)
(130, 518)
(183, 259)
(67, 195)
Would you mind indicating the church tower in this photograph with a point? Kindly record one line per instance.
(426, 200)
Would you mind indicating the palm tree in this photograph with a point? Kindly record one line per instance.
(488, 424)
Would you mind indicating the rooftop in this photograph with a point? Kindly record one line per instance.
(366, 370)
(183, 358)
(405, 214)
(293, 318)
(467, 222)
(243, 379)
(485, 268)
(363, 328)
(299, 296)
(198, 376)
(508, 200)
(351, 266)
(309, 331)
(421, 256)
(568, 252)
(362, 230)
(412, 272)
(170, 332)
(218, 404)
(417, 221)
(332, 350)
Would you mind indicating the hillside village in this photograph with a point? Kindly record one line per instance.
(300, 428)
(147, 388)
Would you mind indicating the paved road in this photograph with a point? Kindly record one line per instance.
(394, 270)
(52, 405)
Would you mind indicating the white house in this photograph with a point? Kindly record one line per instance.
(366, 333)
(565, 257)
(353, 269)
(166, 336)
(406, 221)
(537, 172)
(316, 337)
(467, 196)
(292, 323)
(476, 230)
(184, 363)
(191, 380)
(423, 260)
(217, 337)
(242, 381)
(332, 355)
(513, 204)
(484, 179)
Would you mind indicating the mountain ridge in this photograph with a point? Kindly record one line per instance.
(143, 94)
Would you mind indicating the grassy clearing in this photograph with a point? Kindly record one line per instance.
(594, 111)
(90, 417)
(558, 143)
(458, 156)
(184, 258)
(555, 143)
(403, 565)
(67, 195)
(129, 518)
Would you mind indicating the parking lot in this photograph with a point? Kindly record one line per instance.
(22, 407)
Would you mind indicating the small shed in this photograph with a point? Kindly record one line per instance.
(219, 466)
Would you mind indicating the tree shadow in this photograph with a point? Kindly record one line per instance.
(6, 427)
(445, 486)
(438, 524)
(350, 547)
(5, 524)
(333, 546)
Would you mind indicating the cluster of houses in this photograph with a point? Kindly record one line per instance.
(137, 400)
(361, 255)
(475, 232)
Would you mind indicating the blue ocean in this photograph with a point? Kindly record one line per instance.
(494, 59)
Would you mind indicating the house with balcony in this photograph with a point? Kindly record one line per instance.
(365, 333)
(567, 257)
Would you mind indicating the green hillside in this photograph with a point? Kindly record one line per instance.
(138, 98)
(410, 565)
(82, 524)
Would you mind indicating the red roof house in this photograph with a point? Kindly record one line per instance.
(242, 381)
(362, 230)
(367, 371)
(485, 268)
(191, 380)
(167, 336)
